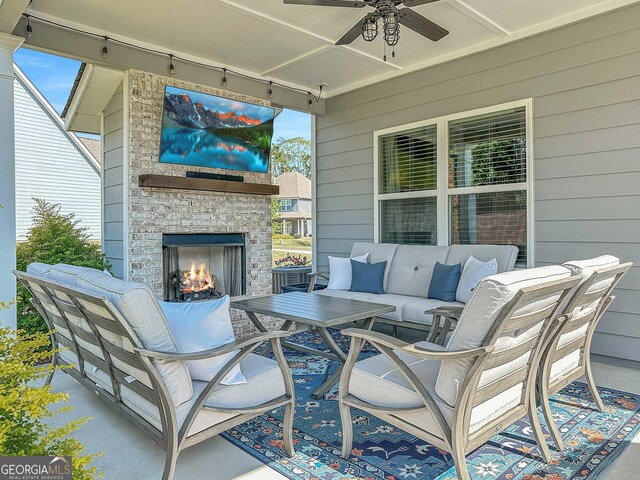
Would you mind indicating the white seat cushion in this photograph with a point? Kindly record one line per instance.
(377, 380)
(414, 311)
(398, 301)
(264, 383)
(337, 293)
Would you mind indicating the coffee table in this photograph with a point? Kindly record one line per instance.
(318, 311)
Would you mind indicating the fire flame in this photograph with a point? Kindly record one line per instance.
(197, 280)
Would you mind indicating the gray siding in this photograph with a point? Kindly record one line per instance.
(585, 83)
(113, 174)
(49, 166)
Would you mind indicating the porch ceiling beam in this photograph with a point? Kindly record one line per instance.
(328, 43)
(483, 20)
(10, 13)
(59, 41)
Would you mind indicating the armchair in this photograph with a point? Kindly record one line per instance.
(567, 355)
(458, 397)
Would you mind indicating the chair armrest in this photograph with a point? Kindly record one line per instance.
(452, 313)
(313, 277)
(255, 339)
(394, 343)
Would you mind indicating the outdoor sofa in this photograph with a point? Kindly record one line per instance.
(408, 275)
(119, 345)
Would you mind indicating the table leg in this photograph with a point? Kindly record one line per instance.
(319, 392)
(261, 328)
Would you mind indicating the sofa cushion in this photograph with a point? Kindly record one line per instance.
(37, 268)
(480, 313)
(367, 277)
(472, 273)
(140, 309)
(198, 326)
(378, 252)
(398, 301)
(337, 293)
(414, 311)
(68, 274)
(340, 271)
(444, 282)
(412, 267)
(505, 255)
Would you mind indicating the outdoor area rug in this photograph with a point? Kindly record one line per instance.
(381, 451)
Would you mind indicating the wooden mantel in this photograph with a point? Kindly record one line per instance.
(206, 185)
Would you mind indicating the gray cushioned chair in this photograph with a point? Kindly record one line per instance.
(457, 397)
(119, 345)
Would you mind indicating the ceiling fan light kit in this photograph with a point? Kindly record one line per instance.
(392, 17)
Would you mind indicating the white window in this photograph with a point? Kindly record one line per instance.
(459, 179)
(286, 205)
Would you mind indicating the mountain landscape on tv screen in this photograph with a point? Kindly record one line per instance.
(204, 130)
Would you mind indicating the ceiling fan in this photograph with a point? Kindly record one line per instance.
(387, 11)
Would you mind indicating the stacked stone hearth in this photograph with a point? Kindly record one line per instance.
(153, 212)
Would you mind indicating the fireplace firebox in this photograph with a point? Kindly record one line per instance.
(203, 266)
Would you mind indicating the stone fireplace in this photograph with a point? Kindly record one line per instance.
(203, 266)
(155, 235)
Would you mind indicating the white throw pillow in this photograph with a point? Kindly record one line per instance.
(473, 272)
(340, 271)
(199, 326)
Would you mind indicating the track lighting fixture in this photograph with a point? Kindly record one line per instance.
(172, 69)
(28, 28)
(270, 91)
(224, 77)
(105, 50)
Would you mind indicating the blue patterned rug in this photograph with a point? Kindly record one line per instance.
(381, 451)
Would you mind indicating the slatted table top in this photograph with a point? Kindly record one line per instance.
(310, 309)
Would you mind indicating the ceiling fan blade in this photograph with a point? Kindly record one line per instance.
(352, 34)
(415, 3)
(328, 3)
(421, 25)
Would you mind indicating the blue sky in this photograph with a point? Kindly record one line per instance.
(54, 77)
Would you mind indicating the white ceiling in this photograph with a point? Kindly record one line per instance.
(295, 44)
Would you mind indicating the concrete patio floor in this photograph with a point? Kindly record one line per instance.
(130, 454)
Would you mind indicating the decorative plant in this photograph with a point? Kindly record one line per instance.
(293, 261)
(25, 407)
(53, 238)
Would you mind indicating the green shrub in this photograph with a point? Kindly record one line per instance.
(53, 238)
(25, 407)
(281, 236)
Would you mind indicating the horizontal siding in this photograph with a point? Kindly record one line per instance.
(585, 83)
(113, 178)
(49, 166)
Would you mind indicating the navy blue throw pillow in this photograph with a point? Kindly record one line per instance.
(444, 282)
(369, 277)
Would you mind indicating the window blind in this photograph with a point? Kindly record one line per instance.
(407, 161)
(409, 221)
(497, 218)
(488, 149)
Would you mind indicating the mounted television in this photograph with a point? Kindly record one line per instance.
(209, 131)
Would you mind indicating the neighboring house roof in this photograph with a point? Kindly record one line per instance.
(294, 215)
(94, 146)
(293, 185)
(51, 112)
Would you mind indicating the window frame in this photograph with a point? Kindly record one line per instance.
(289, 202)
(442, 192)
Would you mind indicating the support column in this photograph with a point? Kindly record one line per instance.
(8, 45)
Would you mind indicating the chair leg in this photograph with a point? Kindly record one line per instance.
(287, 429)
(592, 384)
(170, 464)
(460, 462)
(548, 418)
(347, 429)
(54, 364)
(537, 428)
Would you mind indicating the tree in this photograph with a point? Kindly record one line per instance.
(276, 226)
(53, 238)
(291, 155)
